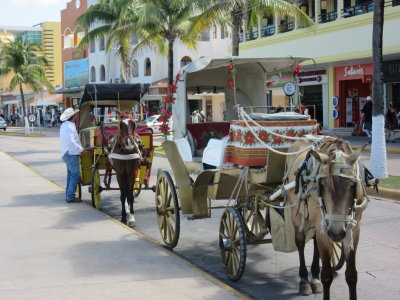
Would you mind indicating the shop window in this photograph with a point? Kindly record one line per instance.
(102, 73)
(147, 67)
(185, 61)
(135, 68)
(93, 74)
(102, 43)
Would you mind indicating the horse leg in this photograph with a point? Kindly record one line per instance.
(304, 286)
(351, 270)
(123, 199)
(316, 285)
(130, 196)
(324, 245)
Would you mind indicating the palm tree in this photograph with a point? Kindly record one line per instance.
(378, 147)
(238, 9)
(20, 59)
(111, 19)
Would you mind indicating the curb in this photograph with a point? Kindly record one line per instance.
(391, 194)
(368, 149)
(21, 134)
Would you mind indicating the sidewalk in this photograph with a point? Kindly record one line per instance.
(54, 250)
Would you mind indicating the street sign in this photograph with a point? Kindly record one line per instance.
(31, 118)
(289, 88)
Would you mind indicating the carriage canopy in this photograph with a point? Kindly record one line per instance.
(210, 75)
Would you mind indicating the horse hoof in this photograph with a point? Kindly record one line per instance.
(305, 289)
(316, 286)
(132, 221)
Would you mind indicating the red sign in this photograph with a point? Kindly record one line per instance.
(353, 72)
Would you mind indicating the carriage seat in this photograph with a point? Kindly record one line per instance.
(214, 153)
(193, 164)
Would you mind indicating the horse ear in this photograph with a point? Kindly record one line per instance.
(320, 157)
(351, 159)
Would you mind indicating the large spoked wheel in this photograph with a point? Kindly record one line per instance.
(254, 217)
(96, 188)
(232, 243)
(137, 188)
(167, 207)
(337, 256)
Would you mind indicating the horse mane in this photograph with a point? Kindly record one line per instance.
(329, 147)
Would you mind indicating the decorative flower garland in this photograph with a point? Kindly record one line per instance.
(165, 113)
(232, 81)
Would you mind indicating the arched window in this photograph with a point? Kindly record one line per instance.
(102, 73)
(147, 69)
(93, 74)
(68, 38)
(92, 46)
(135, 68)
(102, 44)
(185, 61)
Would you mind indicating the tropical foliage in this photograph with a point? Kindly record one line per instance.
(21, 59)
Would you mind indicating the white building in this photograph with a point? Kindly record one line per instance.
(151, 67)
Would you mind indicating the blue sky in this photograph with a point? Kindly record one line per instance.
(30, 12)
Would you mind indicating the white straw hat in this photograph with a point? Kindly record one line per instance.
(368, 98)
(68, 113)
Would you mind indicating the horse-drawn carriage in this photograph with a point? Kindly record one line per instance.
(101, 107)
(243, 162)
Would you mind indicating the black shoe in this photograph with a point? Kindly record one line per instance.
(75, 200)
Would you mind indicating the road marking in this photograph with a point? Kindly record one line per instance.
(148, 239)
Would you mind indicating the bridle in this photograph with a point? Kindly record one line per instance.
(353, 173)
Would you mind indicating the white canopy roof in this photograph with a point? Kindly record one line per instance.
(211, 75)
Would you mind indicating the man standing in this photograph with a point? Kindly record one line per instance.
(367, 117)
(70, 151)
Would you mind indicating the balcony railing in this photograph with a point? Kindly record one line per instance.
(328, 17)
(358, 9)
(286, 26)
(269, 30)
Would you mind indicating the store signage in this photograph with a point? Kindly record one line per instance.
(312, 77)
(353, 71)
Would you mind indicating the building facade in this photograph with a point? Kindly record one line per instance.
(341, 45)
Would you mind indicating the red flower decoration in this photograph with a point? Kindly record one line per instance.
(269, 83)
(249, 138)
(232, 136)
(177, 76)
(239, 136)
(231, 84)
(277, 140)
(172, 89)
(296, 69)
(291, 133)
(230, 68)
(263, 135)
(302, 133)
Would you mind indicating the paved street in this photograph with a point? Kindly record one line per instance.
(269, 274)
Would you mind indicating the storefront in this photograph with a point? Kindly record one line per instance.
(391, 78)
(353, 84)
(313, 86)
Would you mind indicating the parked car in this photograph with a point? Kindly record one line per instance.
(3, 124)
(153, 123)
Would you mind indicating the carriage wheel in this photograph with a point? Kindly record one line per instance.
(96, 189)
(78, 192)
(337, 256)
(167, 207)
(137, 188)
(254, 219)
(232, 243)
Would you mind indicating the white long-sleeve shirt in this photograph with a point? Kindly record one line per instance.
(69, 139)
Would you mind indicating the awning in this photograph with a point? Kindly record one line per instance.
(10, 102)
(47, 99)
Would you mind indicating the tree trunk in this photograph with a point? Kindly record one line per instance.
(22, 100)
(378, 148)
(170, 61)
(237, 16)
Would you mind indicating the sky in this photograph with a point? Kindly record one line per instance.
(30, 12)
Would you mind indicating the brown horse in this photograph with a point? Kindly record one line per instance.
(125, 155)
(331, 194)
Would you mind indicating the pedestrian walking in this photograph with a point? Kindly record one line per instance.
(391, 123)
(70, 151)
(367, 117)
